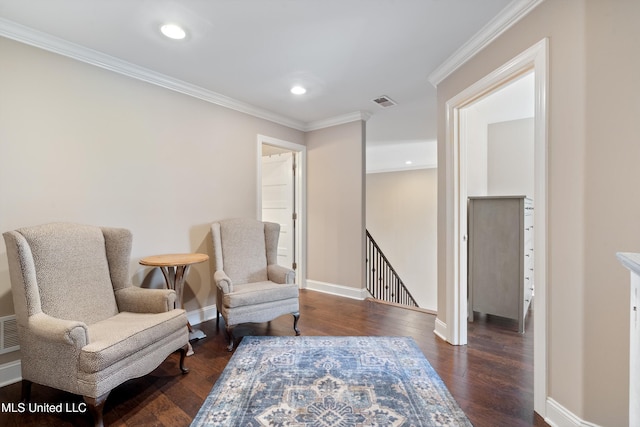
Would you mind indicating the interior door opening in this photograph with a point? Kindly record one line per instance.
(281, 198)
(498, 132)
(454, 327)
(278, 199)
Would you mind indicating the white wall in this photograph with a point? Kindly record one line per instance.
(496, 165)
(476, 135)
(510, 158)
(402, 218)
(499, 156)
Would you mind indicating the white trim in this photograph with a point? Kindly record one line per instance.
(456, 294)
(539, 55)
(57, 45)
(535, 58)
(10, 372)
(195, 317)
(511, 14)
(281, 143)
(559, 416)
(300, 151)
(340, 290)
(26, 35)
(338, 120)
(441, 329)
(402, 169)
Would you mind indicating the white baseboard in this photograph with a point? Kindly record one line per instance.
(340, 290)
(10, 372)
(441, 329)
(200, 315)
(559, 416)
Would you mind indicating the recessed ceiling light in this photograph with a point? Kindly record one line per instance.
(408, 162)
(173, 31)
(298, 90)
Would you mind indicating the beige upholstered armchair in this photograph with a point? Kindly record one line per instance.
(251, 286)
(83, 328)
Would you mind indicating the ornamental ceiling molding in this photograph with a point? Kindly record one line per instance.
(511, 14)
(26, 35)
(12, 30)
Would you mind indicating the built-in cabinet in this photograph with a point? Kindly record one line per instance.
(500, 256)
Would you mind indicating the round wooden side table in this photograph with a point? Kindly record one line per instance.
(175, 268)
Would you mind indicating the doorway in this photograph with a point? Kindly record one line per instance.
(454, 330)
(281, 198)
(278, 199)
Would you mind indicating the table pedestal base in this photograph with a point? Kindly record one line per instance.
(196, 334)
(175, 268)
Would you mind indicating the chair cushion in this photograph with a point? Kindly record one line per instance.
(120, 336)
(259, 292)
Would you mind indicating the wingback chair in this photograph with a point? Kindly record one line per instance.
(82, 327)
(251, 286)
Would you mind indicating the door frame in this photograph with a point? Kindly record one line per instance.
(300, 154)
(455, 331)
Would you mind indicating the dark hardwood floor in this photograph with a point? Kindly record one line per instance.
(491, 378)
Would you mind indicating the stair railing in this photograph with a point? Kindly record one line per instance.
(383, 282)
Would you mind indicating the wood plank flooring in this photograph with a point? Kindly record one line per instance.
(491, 378)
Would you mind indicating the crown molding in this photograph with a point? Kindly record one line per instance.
(20, 33)
(402, 169)
(338, 120)
(512, 13)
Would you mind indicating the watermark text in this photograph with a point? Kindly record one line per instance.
(51, 408)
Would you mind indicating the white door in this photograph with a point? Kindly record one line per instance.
(278, 193)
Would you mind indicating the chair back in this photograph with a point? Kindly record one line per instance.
(61, 270)
(244, 247)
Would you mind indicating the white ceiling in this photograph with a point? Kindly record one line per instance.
(345, 52)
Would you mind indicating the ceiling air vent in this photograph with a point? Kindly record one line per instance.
(384, 101)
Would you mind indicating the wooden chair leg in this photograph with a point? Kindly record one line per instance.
(183, 354)
(229, 330)
(26, 391)
(96, 408)
(296, 317)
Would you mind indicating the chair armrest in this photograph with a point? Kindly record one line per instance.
(280, 274)
(51, 329)
(223, 281)
(141, 300)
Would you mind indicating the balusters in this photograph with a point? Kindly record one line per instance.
(383, 282)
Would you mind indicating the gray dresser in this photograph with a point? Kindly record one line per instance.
(501, 256)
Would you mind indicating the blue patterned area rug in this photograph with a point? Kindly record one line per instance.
(329, 382)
